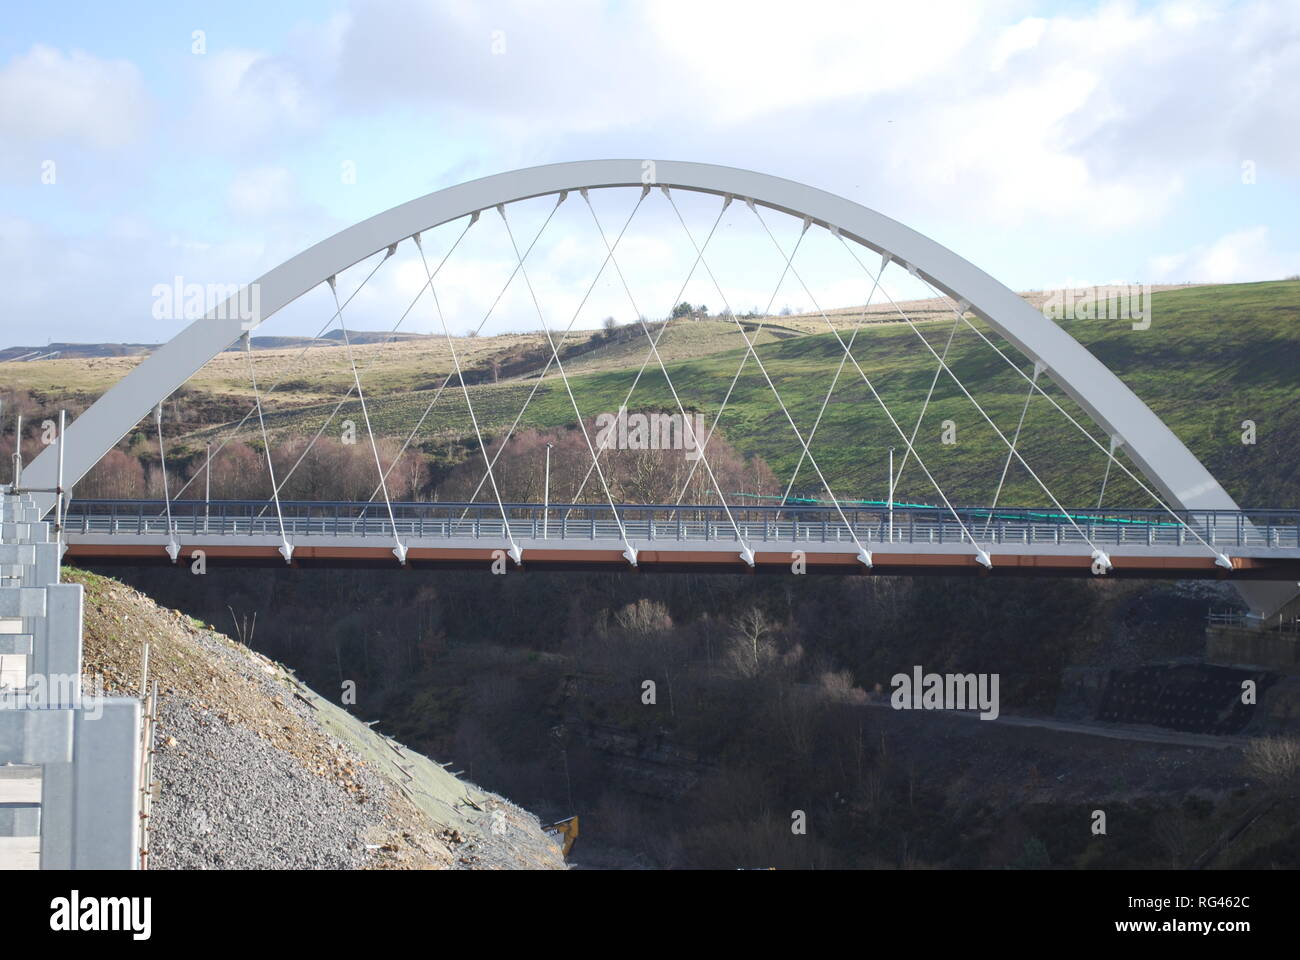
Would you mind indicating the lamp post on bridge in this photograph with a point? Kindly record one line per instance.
(891, 494)
(18, 452)
(546, 495)
(207, 488)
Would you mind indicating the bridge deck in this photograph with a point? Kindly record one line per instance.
(1259, 544)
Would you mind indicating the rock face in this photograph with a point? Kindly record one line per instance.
(253, 770)
(1189, 697)
(652, 766)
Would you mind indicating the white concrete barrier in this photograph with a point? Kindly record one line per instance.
(56, 637)
(18, 554)
(35, 735)
(106, 788)
(22, 602)
(24, 533)
(20, 819)
(16, 644)
(88, 817)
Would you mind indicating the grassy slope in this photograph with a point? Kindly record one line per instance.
(1216, 356)
(1213, 357)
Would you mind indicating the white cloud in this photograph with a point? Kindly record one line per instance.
(1237, 257)
(673, 62)
(47, 94)
(1025, 35)
(740, 60)
(947, 108)
(263, 191)
(958, 118)
(248, 97)
(1009, 154)
(90, 287)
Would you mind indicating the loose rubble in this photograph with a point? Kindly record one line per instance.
(253, 770)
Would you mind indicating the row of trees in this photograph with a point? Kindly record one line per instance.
(633, 476)
(701, 311)
(325, 470)
(330, 469)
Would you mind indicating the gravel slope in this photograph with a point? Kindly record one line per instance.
(253, 770)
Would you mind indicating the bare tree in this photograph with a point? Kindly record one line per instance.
(1274, 760)
(753, 642)
(644, 618)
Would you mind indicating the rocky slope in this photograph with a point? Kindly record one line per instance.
(254, 770)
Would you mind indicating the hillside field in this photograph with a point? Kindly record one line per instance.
(1213, 357)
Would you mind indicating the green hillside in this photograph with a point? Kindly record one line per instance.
(1213, 357)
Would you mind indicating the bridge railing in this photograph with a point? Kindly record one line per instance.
(812, 523)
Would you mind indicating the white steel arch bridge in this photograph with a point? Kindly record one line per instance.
(1188, 525)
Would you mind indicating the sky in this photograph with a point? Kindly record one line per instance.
(1050, 144)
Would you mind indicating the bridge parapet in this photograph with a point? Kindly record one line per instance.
(1195, 531)
(1260, 545)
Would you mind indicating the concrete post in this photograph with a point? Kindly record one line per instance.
(23, 602)
(89, 751)
(57, 657)
(44, 570)
(106, 796)
(20, 820)
(57, 789)
(56, 637)
(15, 644)
(32, 735)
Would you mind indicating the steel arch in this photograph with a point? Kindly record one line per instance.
(1158, 453)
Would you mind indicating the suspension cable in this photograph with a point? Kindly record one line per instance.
(447, 379)
(980, 554)
(234, 431)
(1220, 558)
(515, 553)
(1014, 440)
(399, 548)
(1097, 553)
(834, 381)
(374, 356)
(173, 548)
(286, 548)
(550, 361)
(630, 551)
(645, 362)
(929, 394)
(747, 553)
(744, 359)
(863, 554)
(1106, 473)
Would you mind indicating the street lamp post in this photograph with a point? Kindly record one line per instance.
(18, 452)
(891, 494)
(207, 488)
(546, 495)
